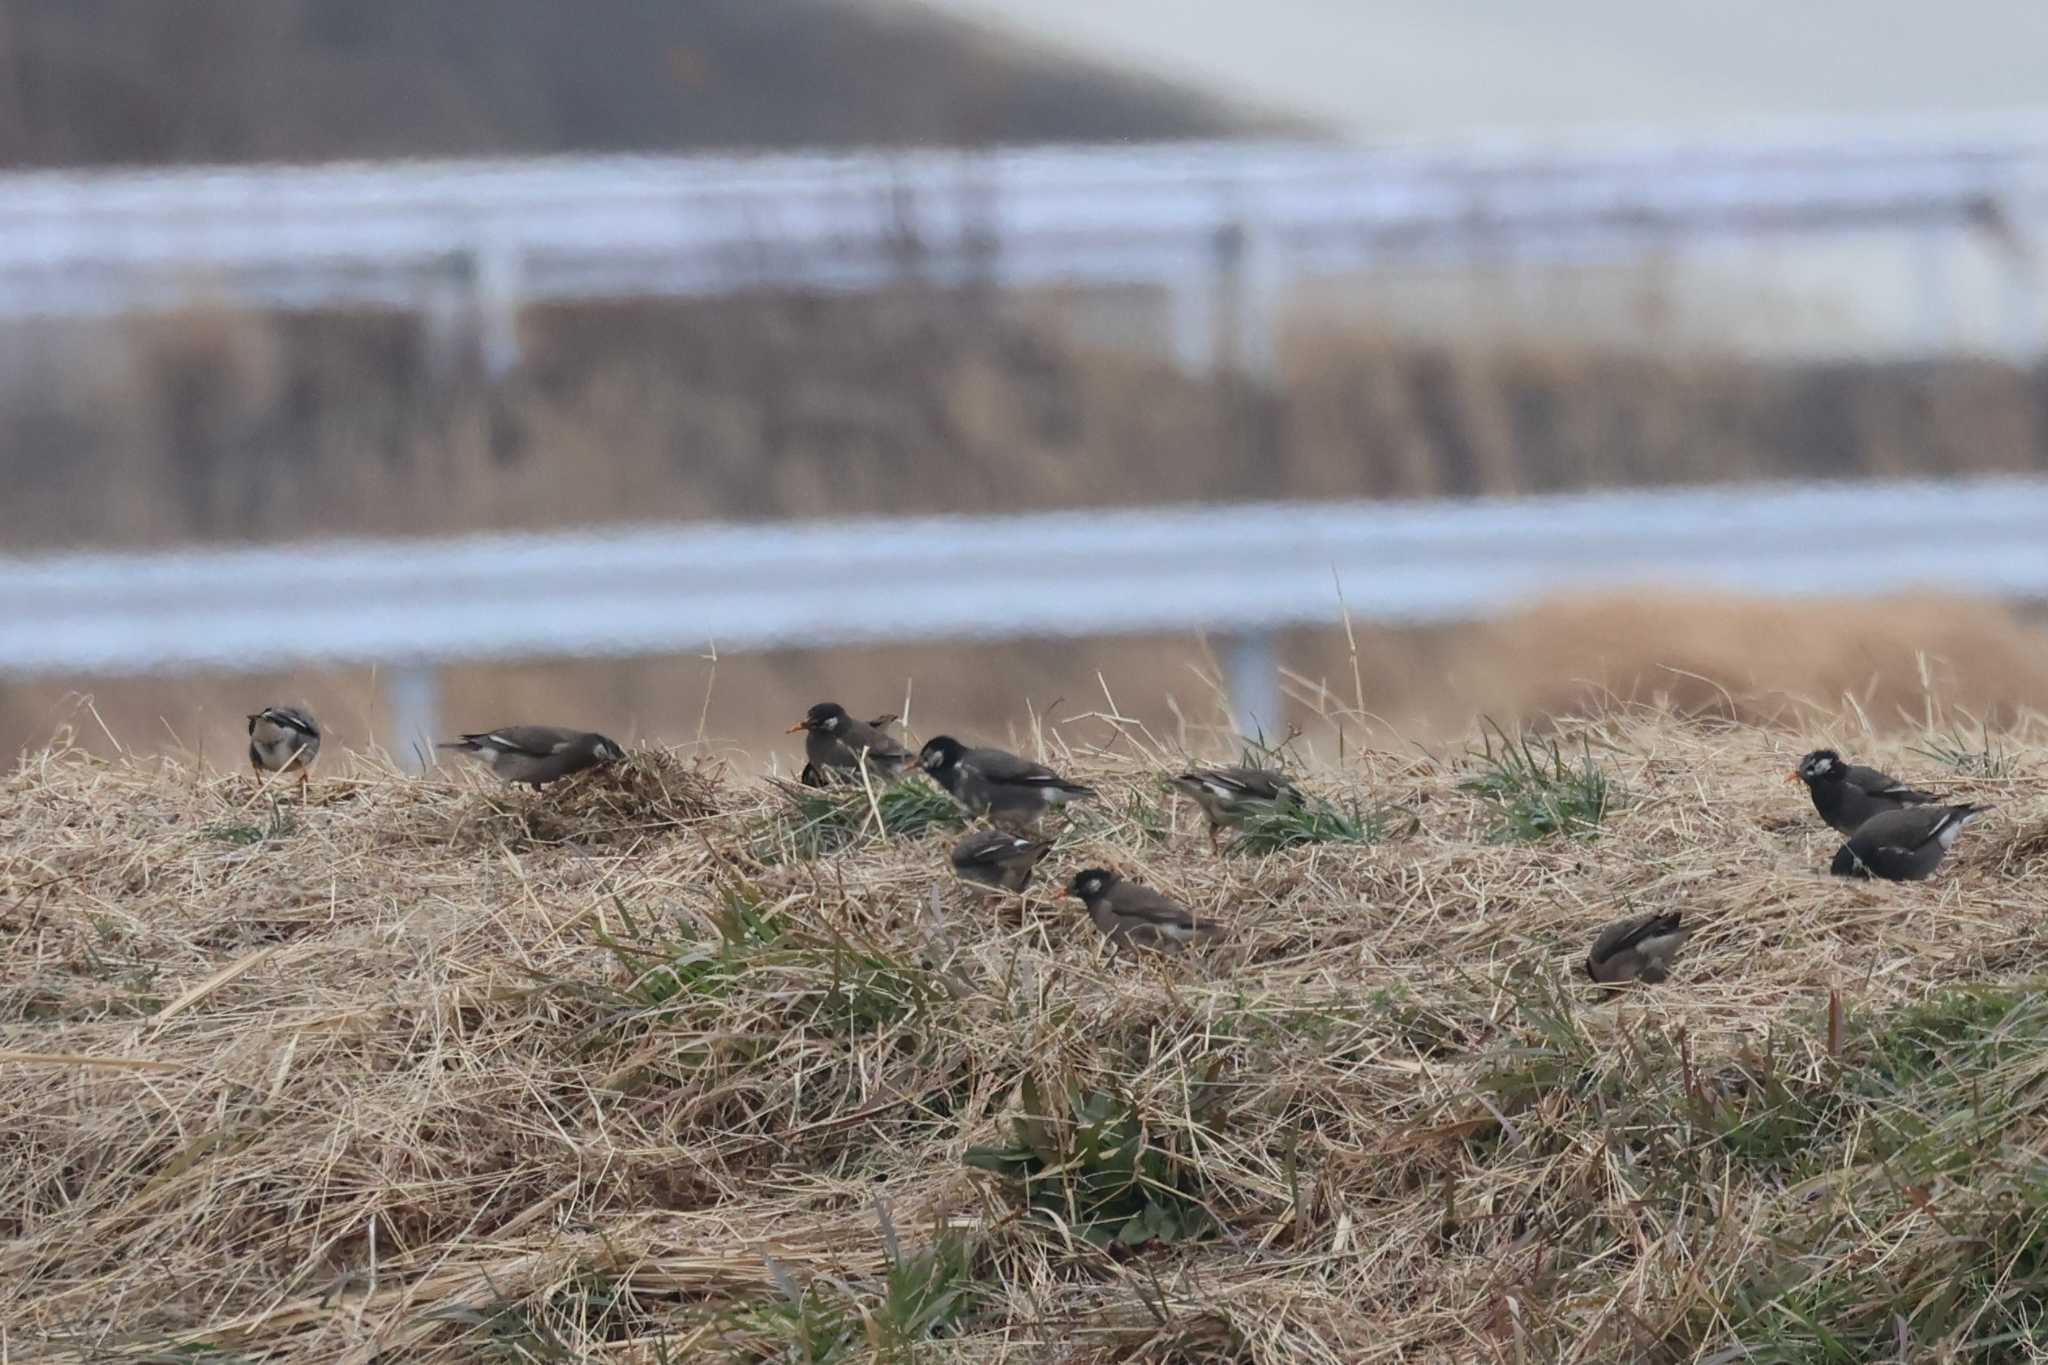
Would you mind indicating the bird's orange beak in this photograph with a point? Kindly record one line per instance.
(800, 725)
(1792, 776)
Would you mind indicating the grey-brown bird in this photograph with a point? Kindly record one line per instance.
(1231, 796)
(1847, 794)
(996, 783)
(538, 754)
(1641, 947)
(283, 737)
(998, 859)
(1903, 845)
(1129, 913)
(834, 742)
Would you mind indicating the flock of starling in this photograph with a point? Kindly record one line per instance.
(1894, 831)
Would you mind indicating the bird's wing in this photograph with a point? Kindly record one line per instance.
(291, 718)
(997, 765)
(1884, 784)
(1240, 784)
(993, 847)
(1143, 905)
(879, 746)
(539, 741)
(1629, 932)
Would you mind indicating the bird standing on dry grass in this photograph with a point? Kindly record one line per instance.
(1231, 796)
(1903, 845)
(834, 744)
(1636, 948)
(284, 737)
(994, 782)
(538, 754)
(1847, 794)
(1133, 914)
(998, 859)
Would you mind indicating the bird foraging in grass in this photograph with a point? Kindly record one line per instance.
(993, 782)
(284, 738)
(1638, 948)
(834, 744)
(1231, 796)
(538, 754)
(998, 859)
(1847, 794)
(1128, 913)
(1903, 845)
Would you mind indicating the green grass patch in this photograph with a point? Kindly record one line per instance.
(238, 832)
(1088, 1161)
(1983, 756)
(1315, 821)
(921, 1300)
(1538, 788)
(1907, 1127)
(824, 820)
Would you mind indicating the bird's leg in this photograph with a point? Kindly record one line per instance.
(1215, 842)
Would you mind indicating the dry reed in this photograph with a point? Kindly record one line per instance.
(392, 1075)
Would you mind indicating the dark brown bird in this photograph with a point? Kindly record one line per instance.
(1847, 794)
(538, 754)
(283, 737)
(1231, 796)
(1640, 947)
(998, 859)
(1903, 845)
(1131, 914)
(834, 743)
(994, 782)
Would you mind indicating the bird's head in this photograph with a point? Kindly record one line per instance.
(940, 753)
(1822, 765)
(1091, 883)
(827, 716)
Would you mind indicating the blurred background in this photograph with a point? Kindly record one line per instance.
(325, 270)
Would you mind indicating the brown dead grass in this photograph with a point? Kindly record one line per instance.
(321, 1082)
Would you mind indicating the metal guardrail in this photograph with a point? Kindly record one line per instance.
(1221, 226)
(1239, 571)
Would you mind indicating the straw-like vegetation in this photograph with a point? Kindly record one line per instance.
(629, 1071)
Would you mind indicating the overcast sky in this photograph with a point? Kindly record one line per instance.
(1419, 66)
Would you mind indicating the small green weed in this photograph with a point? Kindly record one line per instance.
(1315, 821)
(281, 823)
(1982, 757)
(1538, 790)
(830, 1322)
(1092, 1165)
(824, 820)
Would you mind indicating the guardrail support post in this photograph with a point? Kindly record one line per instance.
(498, 287)
(412, 691)
(1933, 289)
(1251, 673)
(1248, 291)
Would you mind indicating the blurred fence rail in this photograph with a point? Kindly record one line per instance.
(1241, 572)
(1220, 226)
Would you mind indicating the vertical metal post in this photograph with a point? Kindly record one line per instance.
(1933, 301)
(1248, 293)
(1191, 316)
(413, 693)
(1251, 672)
(499, 281)
(2025, 312)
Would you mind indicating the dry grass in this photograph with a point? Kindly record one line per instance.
(394, 1075)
